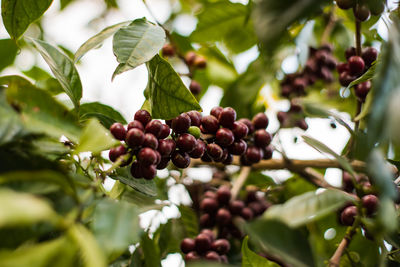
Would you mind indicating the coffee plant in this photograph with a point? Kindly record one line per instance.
(173, 185)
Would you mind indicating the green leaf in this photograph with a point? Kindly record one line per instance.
(189, 221)
(95, 138)
(273, 18)
(147, 187)
(98, 39)
(63, 69)
(251, 259)
(88, 247)
(325, 149)
(365, 77)
(151, 251)
(19, 14)
(387, 215)
(116, 225)
(167, 94)
(44, 80)
(136, 44)
(308, 207)
(8, 52)
(105, 114)
(225, 21)
(275, 238)
(39, 111)
(23, 209)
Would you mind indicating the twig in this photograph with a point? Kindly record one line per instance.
(334, 261)
(358, 37)
(329, 27)
(239, 182)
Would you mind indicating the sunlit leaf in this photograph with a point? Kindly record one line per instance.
(251, 259)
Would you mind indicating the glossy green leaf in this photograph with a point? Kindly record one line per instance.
(251, 259)
(63, 69)
(98, 39)
(105, 114)
(8, 52)
(325, 149)
(144, 186)
(44, 80)
(289, 245)
(365, 77)
(89, 250)
(116, 225)
(23, 209)
(19, 14)
(39, 111)
(95, 138)
(136, 44)
(308, 207)
(189, 221)
(151, 251)
(168, 95)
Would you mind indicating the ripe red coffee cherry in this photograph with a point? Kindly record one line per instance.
(190, 57)
(135, 124)
(214, 151)
(267, 152)
(136, 170)
(206, 158)
(143, 116)
(147, 156)
(224, 259)
(362, 12)
(180, 159)
(238, 148)
(223, 195)
(247, 214)
(362, 89)
(227, 117)
(240, 130)
(370, 203)
(206, 220)
(209, 205)
(195, 87)
(223, 216)
(150, 141)
(168, 50)
(202, 243)
(200, 62)
(166, 147)
(249, 125)
(118, 131)
(186, 142)
(260, 121)
(134, 138)
(116, 152)
(149, 172)
(163, 163)
(198, 150)
(345, 4)
(356, 65)
(345, 78)
(282, 117)
(224, 137)
(165, 131)
(228, 160)
(262, 138)
(209, 233)
(181, 123)
(210, 194)
(348, 215)
(154, 127)
(195, 118)
(244, 161)
(192, 256)
(257, 208)
(369, 55)
(215, 111)
(210, 124)
(326, 75)
(212, 256)
(253, 154)
(351, 51)
(299, 85)
(225, 154)
(342, 67)
(187, 245)
(221, 246)
(236, 207)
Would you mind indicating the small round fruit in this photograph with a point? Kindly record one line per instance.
(369, 55)
(195, 118)
(180, 159)
(240, 130)
(192, 256)
(356, 65)
(190, 57)
(345, 4)
(209, 205)
(362, 12)
(262, 138)
(200, 62)
(348, 215)
(236, 207)
(168, 50)
(210, 124)
(150, 141)
(187, 245)
(228, 160)
(223, 216)
(351, 51)
(186, 142)
(345, 78)
(282, 117)
(253, 154)
(209, 233)
(181, 123)
(116, 152)
(135, 124)
(199, 150)
(362, 89)
(163, 163)
(249, 125)
(165, 131)
(147, 156)
(154, 127)
(214, 151)
(260, 121)
(224, 137)
(227, 117)
(202, 243)
(136, 170)
(149, 172)
(166, 147)
(223, 195)
(257, 208)
(221, 246)
(370, 203)
(215, 111)
(247, 214)
(206, 220)
(134, 138)
(195, 87)
(238, 148)
(118, 131)
(342, 67)
(212, 256)
(143, 116)
(268, 152)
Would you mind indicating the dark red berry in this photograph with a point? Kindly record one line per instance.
(143, 116)
(116, 152)
(342, 67)
(253, 154)
(209, 205)
(187, 245)
(215, 111)
(154, 127)
(214, 151)
(249, 125)
(150, 141)
(195, 87)
(257, 208)
(212, 256)
(134, 138)
(168, 50)
(227, 117)
(149, 172)
(118, 131)
(200, 62)
(228, 160)
(165, 131)
(268, 152)
(345, 78)
(240, 130)
(135, 124)
(351, 51)
(206, 220)
(362, 12)
(181, 123)
(202, 243)
(369, 55)
(192, 256)
(147, 156)
(225, 154)
(210, 194)
(345, 4)
(209, 124)
(163, 163)
(136, 170)
(223, 216)
(223, 195)
(166, 147)
(209, 233)
(262, 138)
(195, 118)
(221, 246)
(362, 89)
(206, 158)
(260, 121)
(224, 137)
(199, 150)
(247, 213)
(282, 117)
(348, 215)
(236, 207)
(370, 203)
(299, 85)
(244, 161)
(356, 65)
(224, 259)
(180, 159)
(190, 58)
(186, 142)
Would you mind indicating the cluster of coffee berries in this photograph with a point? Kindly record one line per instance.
(205, 246)
(218, 209)
(355, 67)
(319, 66)
(294, 117)
(363, 9)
